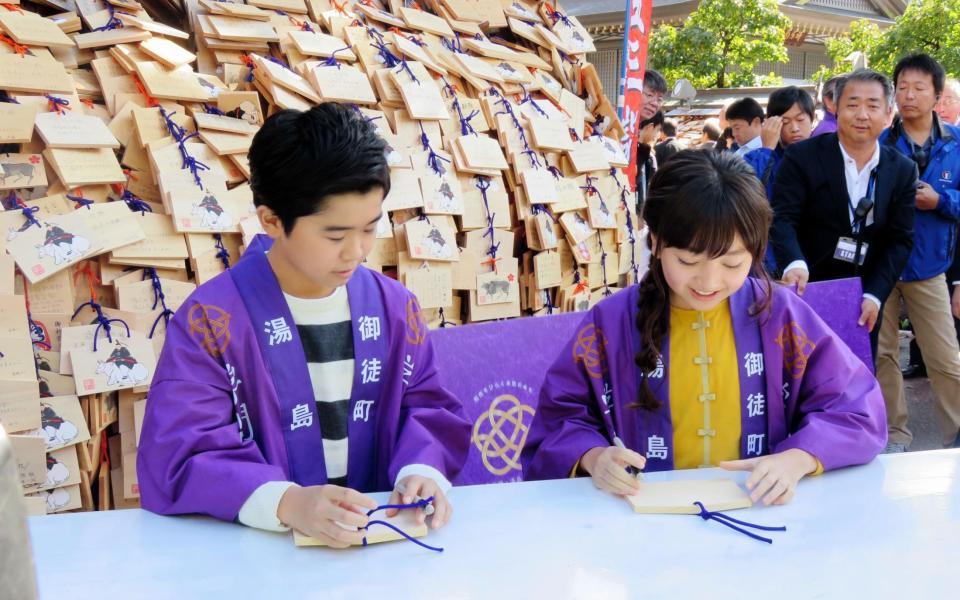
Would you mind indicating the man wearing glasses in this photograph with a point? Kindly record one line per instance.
(920, 135)
(654, 91)
(948, 108)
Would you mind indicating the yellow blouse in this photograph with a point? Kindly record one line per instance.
(704, 387)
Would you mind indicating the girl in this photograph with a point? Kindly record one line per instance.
(701, 365)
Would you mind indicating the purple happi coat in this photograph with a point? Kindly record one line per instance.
(801, 387)
(232, 407)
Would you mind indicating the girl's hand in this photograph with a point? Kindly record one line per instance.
(607, 465)
(774, 478)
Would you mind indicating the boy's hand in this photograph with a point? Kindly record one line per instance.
(414, 487)
(607, 466)
(319, 510)
(770, 132)
(774, 478)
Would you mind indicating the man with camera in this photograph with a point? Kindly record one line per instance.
(934, 146)
(844, 204)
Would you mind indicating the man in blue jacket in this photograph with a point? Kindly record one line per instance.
(919, 134)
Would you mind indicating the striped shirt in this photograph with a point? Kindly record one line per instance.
(325, 329)
(326, 333)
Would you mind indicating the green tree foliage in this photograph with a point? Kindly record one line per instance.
(931, 26)
(864, 37)
(721, 43)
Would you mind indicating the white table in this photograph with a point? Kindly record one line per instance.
(888, 529)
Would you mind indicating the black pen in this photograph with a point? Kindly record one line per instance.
(630, 468)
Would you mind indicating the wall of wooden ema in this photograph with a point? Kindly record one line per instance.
(125, 168)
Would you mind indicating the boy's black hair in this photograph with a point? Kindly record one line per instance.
(783, 99)
(656, 119)
(745, 109)
(298, 159)
(726, 139)
(655, 81)
(670, 127)
(925, 64)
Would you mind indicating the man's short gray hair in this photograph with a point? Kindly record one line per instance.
(866, 76)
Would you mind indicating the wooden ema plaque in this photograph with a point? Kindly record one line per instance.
(74, 131)
(32, 74)
(33, 30)
(678, 497)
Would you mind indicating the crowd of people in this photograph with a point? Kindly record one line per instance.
(867, 186)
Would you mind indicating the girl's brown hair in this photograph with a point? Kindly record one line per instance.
(699, 201)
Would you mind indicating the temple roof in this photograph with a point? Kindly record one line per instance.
(814, 17)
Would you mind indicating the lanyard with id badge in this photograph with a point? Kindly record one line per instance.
(854, 250)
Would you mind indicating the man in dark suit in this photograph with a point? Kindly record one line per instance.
(669, 145)
(843, 205)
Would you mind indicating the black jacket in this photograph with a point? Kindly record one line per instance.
(811, 212)
(665, 149)
(646, 169)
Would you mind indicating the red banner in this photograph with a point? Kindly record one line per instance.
(635, 40)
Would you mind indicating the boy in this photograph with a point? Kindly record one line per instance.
(789, 120)
(299, 379)
(746, 119)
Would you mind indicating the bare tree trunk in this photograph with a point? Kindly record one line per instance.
(722, 75)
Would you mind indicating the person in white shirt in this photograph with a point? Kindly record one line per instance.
(746, 120)
(844, 205)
